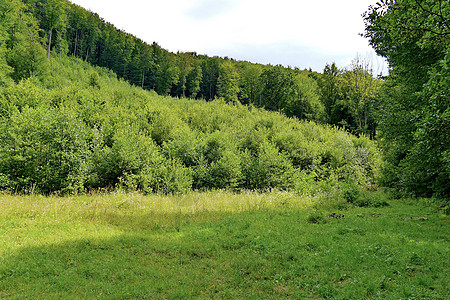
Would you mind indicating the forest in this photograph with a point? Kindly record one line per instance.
(84, 106)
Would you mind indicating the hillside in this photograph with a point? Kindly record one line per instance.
(129, 172)
(78, 127)
(67, 29)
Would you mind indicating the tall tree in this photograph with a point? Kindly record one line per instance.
(278, 88)
(55, 19)
(414, 36)
(24, 52)
(228, 82)
(193, 82)
(250, 86)
(361, 87)
(308, 105)
(6, 21)
(185, 63)
(330, 87)
(210, 69)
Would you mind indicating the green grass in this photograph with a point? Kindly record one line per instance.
(219, 245)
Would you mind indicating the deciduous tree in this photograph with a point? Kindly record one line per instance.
(414, 36)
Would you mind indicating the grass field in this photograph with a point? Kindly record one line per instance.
(219, 245)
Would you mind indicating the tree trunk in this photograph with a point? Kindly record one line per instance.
(183, 85)
(49, 42)
(143, 77)
(76, 43)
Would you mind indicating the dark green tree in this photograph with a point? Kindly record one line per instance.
(24, 52)
(279, 88)
(250, 86)
(331, 94)
(185, 63)
(308, 105)
(193, 82)
(414, 37)
(210, 69)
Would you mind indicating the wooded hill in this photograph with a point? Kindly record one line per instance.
(67, 126)
(68, 29)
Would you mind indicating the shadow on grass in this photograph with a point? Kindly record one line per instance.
(167, 263)
(128, 266)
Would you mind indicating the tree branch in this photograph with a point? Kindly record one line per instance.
(440, 15)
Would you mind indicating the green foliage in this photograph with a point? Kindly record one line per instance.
(228, 82)
(68, 127)
(279, 88)
(270, 169)
(361, 198)
(413, 36)
(428, 162)
(348, 96)
(44, 150)
(133, 139)
(194, 78)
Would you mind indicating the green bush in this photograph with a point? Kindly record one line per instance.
(269, 169)
(360, 198)
(65, 134)
(45, 150)
(219, 165)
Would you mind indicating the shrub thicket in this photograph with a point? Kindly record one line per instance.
(80, 127)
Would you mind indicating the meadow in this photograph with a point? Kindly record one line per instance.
(220, 244)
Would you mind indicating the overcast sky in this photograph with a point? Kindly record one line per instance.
(297, 33)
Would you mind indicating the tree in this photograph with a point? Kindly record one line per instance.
(193, 82)
(308, 105)
(55, 19)
(24, 52)
(331, 94)
(228, 82)
(210, 69)
(185, 62)
(6, 20)
(361, 87)
(250, 87)
(414, 37)
(163, 71)
(278, 88)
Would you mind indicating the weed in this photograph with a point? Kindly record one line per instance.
(316, 217)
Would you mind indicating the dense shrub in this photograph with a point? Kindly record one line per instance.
(45, 150)
(66, 134)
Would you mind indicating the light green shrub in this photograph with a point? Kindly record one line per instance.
(44, 150)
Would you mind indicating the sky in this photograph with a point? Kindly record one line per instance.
(297, 33)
